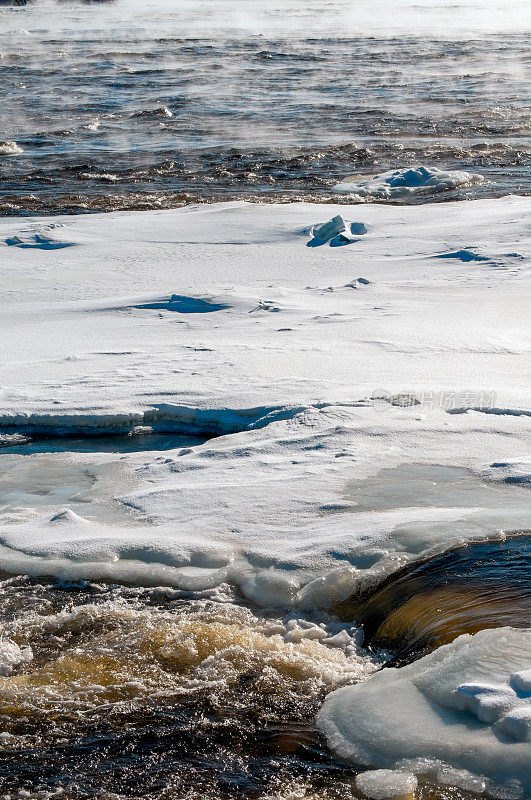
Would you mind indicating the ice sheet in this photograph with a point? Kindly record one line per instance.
(326, 366)
(458, 713)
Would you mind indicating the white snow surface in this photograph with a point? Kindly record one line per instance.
(431, 716)
(326, 362)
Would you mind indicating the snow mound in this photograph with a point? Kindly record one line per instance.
(464, 255)
(10, 149)
(462, 712)
(408, 181)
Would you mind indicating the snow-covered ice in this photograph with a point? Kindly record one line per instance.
(358, 407)
(456, 713)
(327, 366)
(403, 182)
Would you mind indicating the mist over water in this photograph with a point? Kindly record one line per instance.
(147, 105)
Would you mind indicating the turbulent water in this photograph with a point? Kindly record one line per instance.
(131, 105)
(152, 693)
(129, 693)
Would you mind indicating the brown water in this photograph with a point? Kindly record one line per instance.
(154, 694)
(427, 604)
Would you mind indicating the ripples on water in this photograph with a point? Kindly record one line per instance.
(130, 106)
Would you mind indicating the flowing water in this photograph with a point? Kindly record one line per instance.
(427, 604)
(115, 691)
(130, 105)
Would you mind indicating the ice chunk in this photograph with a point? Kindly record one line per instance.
(356, 282)
(337, 231)
(329, 229)
(447, 776)
(411, 180)
(381, 784)
(429, 710)
(358, 228)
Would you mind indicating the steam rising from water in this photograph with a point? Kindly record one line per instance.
(146, 106)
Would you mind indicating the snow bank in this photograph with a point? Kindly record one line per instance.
(463, 712)
(407, 181)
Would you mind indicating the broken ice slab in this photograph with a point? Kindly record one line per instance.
(329, 229)
(352, 232)
(340, 228)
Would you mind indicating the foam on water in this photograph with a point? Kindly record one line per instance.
(197, 694)
(9, 149)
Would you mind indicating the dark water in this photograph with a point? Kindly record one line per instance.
(129, 106)
(428, 604)
(108, 443)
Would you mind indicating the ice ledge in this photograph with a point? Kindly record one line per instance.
(160, 418)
